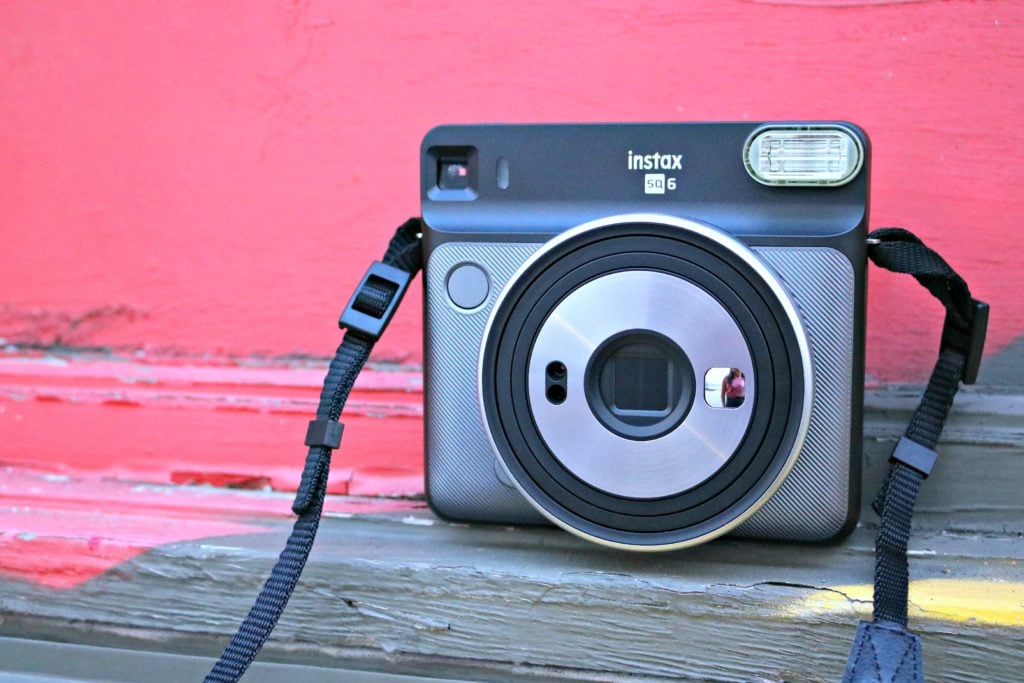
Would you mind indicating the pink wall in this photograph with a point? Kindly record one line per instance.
(211, 178)
(207, 181)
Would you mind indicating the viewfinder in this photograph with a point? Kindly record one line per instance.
(453, 174)
(456, 172)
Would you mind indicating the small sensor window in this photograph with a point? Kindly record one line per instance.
(456, 174)
(453, 174)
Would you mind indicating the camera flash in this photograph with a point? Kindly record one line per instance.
(803, 155)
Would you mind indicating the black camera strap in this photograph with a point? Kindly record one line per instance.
(367, 314)
(884, 651)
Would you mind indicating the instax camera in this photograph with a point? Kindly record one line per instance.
(650, 335)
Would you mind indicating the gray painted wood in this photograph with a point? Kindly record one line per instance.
(36, 661)
(412, 594)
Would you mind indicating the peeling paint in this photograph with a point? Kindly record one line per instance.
(43, 328)
(256, 416)
(229, 480)
(62, 531)
(418, 521)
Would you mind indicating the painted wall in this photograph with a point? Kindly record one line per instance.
(189, 189)
(211, 178)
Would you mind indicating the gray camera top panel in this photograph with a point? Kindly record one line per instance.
(540, 179)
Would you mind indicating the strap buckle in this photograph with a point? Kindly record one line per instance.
(969, 343)
(374, 302)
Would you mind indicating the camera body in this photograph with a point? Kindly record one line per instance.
(648, 334)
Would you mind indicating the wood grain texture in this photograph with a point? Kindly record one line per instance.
(242, 426)
(405, 592)
(61, 532)
(34, 661)
(238, 425)
(213, 178)
(535, 598)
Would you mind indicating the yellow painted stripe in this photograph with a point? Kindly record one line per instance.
(999, 603)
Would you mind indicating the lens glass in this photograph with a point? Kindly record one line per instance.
(640, 377)
(640, 384)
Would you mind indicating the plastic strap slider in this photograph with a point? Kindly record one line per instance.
(374, 302)
(914, 455)
(325, 433)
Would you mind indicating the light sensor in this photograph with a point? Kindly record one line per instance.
(803, 155)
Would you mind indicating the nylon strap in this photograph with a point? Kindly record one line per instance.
(884, 651)
(404, 253)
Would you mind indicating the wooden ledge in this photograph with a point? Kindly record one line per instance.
(392, 589)
(403, 592)
(406, 593)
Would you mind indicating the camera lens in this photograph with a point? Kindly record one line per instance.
(640, 384)
(637, 382)
(644, 451)
(630, 423)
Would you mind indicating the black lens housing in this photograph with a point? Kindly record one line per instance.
(639, 384)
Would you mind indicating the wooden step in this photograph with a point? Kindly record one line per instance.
(390, 588)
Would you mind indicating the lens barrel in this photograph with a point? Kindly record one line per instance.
(594, 381)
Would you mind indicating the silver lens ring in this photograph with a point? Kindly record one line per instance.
(778, 349)
(611, 305)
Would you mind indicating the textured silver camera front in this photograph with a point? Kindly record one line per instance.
(618, 303)
(465, 479)
(812, 503)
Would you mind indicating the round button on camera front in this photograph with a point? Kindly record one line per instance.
(467, 285)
